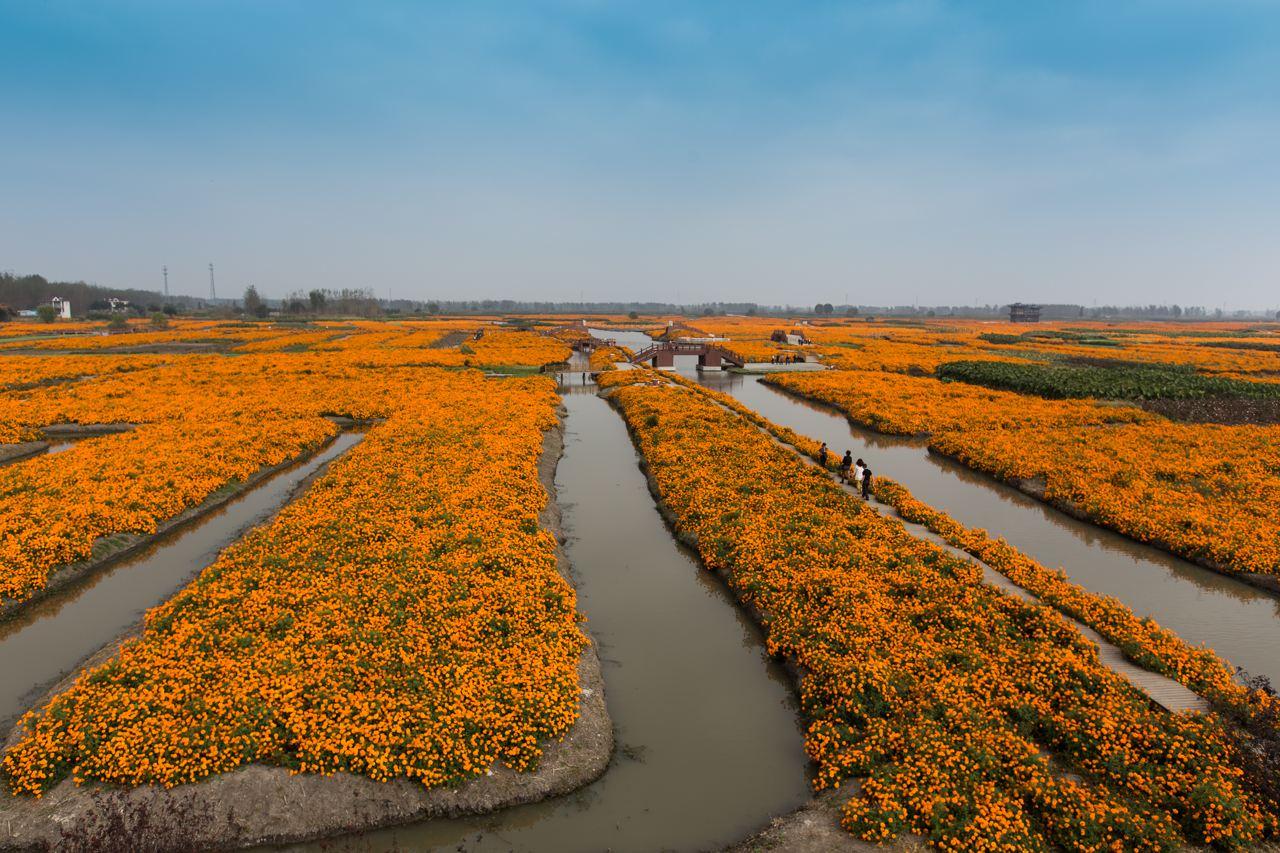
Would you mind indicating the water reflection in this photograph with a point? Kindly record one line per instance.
(633, 339)
(575, 382)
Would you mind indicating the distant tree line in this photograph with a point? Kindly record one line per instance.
(348, 302)
(27, 292)
(517, 306)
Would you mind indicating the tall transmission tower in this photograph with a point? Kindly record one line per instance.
(213, 292)
(165, 269)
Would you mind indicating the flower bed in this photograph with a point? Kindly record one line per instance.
(53, 508)
(405, 618)
(1207, 492)
(912, 405)
(1142, 640)
(960, 707)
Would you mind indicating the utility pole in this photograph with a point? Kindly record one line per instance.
(213, 293)
(165, 269)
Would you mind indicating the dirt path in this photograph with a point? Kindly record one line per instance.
(450, 340)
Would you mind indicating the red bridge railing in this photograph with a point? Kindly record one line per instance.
(687, 348)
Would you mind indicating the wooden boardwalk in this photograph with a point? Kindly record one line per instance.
(1162, 690)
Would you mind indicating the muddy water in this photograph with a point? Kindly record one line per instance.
(45, 642)
(708, 742)
(49, 449)
(1238, 621)
(633, 340)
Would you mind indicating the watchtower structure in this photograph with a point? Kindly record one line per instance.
(1021, 312)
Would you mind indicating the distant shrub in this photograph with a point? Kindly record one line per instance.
(1059, 381)
(1089, 339)
(1258, 346)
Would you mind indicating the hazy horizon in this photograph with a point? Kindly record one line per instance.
(874, 153)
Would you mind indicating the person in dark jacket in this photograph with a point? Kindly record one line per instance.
(822, 455)
(844, 465)
(866, 484)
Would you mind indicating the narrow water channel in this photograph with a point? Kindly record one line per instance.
(12, 454)
(45, 642)
(709, 746)
(1239, 622)
(633, 339)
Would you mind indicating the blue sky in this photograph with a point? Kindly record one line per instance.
(775, 152)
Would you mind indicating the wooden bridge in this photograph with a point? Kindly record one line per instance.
(663, 354)
(590, 345)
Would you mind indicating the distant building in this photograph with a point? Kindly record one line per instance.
(1021, 312)
(62, 306)
(118, 305)
(792, 338)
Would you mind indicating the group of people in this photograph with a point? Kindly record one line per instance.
(857, 473)
(787, 358)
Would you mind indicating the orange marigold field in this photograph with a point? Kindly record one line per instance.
(919, 346)
(604, 358)
(54, 508)
(1205, 491)
(913, 405)
(1141, 639)
(405, 618)
(494, 347)
(206, 422)
(19, 372)
(362, 379)
(1208, 492)
(958, 705)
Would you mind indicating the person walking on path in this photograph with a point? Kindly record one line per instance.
(858, 468)
(866, 484)
(822, 456)
(844, 465)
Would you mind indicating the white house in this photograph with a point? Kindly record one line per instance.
(62, 306)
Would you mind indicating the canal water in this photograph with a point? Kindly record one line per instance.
(49, 639)
(49, 449)
(708, 741)
(1238, 621)
(632, 339)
